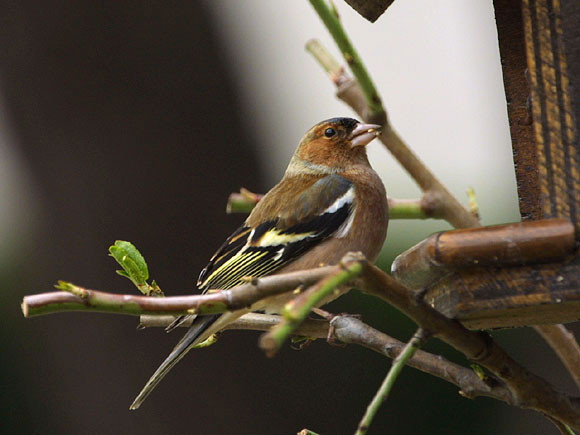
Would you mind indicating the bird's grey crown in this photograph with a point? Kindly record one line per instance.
(348, 123)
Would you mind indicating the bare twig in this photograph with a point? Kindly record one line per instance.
(515, 385)
(408, 209)
(332, 23)
(441, 203)
(81, 299)
(562, 341)
(296, 311)
(313, 328)
(528, 390)
(407, 353)
(350, 330)
(242, 202)
(334, 69)
(245, 201)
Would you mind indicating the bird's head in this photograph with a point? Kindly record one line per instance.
(334, 145)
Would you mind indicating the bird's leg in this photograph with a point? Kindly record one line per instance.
(300, 343)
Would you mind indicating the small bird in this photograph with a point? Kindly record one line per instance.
(329, 202)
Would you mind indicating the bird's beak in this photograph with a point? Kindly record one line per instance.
(362, 134)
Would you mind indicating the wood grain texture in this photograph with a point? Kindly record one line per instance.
(555, 123)
(517, 244)
(510, 31)
(510, 244)
(485, 298)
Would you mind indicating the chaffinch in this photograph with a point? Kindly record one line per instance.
(329, 202)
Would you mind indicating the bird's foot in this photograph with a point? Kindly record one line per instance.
(300, 343)
(331, 337)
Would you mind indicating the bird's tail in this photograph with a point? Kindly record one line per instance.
(199, 326)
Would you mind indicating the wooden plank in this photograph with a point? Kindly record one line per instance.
(485, 298)
(518, 244)
(555, 126)
(510, 30)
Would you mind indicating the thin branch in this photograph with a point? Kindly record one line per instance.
(312, 328)
(353, 331)
(332, 23)
(440, 200)
(296, 311)
(522, 243)
(521, 388)
(245, 201)
(356, 94)
(528, 390)
(81, 299)
(383, 392)
(407, 209)
(562, 341)
(334, 69)
(350, 330)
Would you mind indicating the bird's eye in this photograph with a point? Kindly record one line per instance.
(329, 132)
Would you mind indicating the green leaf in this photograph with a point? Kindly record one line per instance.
(133, 264)
(123, 273)
(134, 267)
(131, 260)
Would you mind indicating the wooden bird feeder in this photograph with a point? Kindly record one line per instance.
(526, 273)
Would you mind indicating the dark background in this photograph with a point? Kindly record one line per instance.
(126, 116)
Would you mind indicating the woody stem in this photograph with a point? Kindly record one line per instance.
(362, 96)
(406, 354)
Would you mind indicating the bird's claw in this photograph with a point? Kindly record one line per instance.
(331, 336)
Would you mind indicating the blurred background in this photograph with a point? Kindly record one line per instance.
(135, 120)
